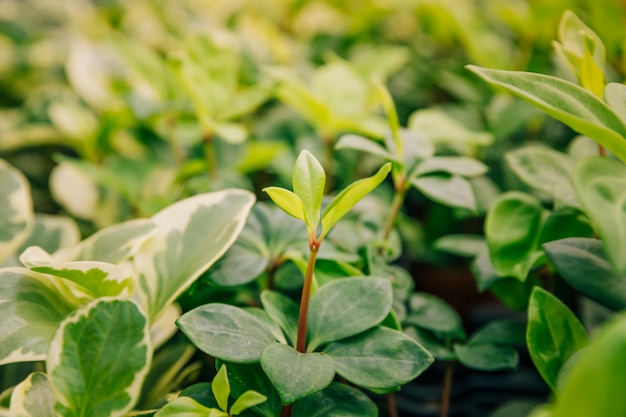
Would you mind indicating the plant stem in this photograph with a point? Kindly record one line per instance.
(447, 389)
(286, 410)
(329, 156)
(209, 154)
(396, 205)
(392, 409)
(314, 247)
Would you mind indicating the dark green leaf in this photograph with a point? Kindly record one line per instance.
(432, 313)
(500, 332)
(244, 377)
(487, 357)
(283, 310)
(431, 343)
(338, 400)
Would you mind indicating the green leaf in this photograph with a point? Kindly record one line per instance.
(309, 181)
(554, 334)
(380, 358)
(341, 88)
(582, 263)
(226, 332)
(98, 359)
(91, 279)
(186, 407)
(601, 185)
(289, 202)
(450, 190)
(33, 397)
(512, 228)
(16, 210)
(349, 196)
(346, 307)
(563, 224)
(247, 400)
(430, 312)
(250, 376)
(284, 311)
(338, 400)
(615, 96)
(52, 233)
(296, 375)
(485, 357)
(360, 143)
(459, 165)
(191, 235)
(500, 332)
(595, 383)
(461, 244)
(431, 343)
(566, 102)
(221, 388)
(35, 308)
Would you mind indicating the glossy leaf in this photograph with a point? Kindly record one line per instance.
(16, 210)
(487, 357)
(459, 165)
(98, 359)
(450, 190)
(338, 400)
(215, 328)
(431, 343)
(582, 263)
(350, 196)
(36, 309)
(33, 397)
(250, 376)
(594, 383)
(185, 407)
(309, 180)
(380, 358)
(191, 235)
(512, 229)
(554, 334)
(566, 102)
(432, 313)
(601, 185)
(221, 388)
(283, 310)
(296, 375)
(346, 307)
(247, 400)
(500, 332)
(288, 201)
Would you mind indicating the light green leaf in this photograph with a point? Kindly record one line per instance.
(221, 388)
(36, 309)
(33, 397)
(91, 279)
(98, 359)
(512, 228)
(341, 88)
(250, 376)
(594, 384)
(360, 143)
(601, 186)
(346, 307)
(226, 332)
(486, 357)
(443, 128)
(287, 201)
(296, 375)
(75, 190)
(566, 102)
(380, 358)
(16, 210)
(432, 313)
(309, 181)
(338, 400)
(349, 197)
(451, 190)
(247, 400)
(186, 407)
(553, 335)
(233, 133)
(191, 235)
(459, 165)
(283, 310)
(461, 244)
(615, 96)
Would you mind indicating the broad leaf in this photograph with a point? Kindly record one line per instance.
(226, 332)
(191, 235)
(500, 332)
(601, 185)
(450, 190)
(16, 210)
(512, 229)
(459, 165)
(461, 244)
(98, 359)
(340, 87)
(338, 400)
(431, 343)
(349, 196)
(296, 375)
(554, 334)
(360, 143)
(288, 201)
(33, 397)
(432, 313)
(284, 311)
(615, 95)
(346, 307)
(380, 358)
(566, 102)
(309, 180)
(594, 384)
(53, 233)
(582, 263)
(486, 357)
(35, 308)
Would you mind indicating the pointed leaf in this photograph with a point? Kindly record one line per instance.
(338, 400)
(287, 201)
(33, 397)
(185, 407)
(226, 332)
(191, 235)
(309, 180)
(33, 309)
(451, 190)
(284, 311)
(380, 358)
(221, 388)
(247, 400)
(554, 334)
(346, 307)
(98, 359)
(566, 102)
(296, 375)
(349, 196)
(244, 377)
(16, 210)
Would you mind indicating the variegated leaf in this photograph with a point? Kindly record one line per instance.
(33, 397)
(16, 211)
